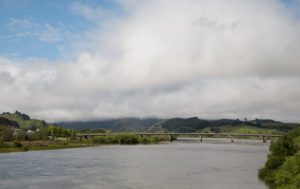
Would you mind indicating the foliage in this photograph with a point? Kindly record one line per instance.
(93, 131)
(18, 144)
(127, 138)
(24, 121)
(8, 122)
(6, 133)
(283, 165)
(42, 134)
(55, 131)
(24, 116)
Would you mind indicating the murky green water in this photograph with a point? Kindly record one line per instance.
(178, 165)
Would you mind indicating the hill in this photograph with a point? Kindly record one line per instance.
(179, 125)
(182, 125)
(116, 125)
(23, 120)
(194, 124)
(7, 122)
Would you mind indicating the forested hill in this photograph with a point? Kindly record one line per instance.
(195, 124)
(192, 124)
(23, 121)
(116, 125)
(7, 122)
(180, 125)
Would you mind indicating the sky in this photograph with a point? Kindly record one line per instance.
(88, 60)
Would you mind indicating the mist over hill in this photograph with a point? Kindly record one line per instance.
(116, 125)
(179, 125)
(153, 125)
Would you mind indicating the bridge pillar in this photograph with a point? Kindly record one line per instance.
(264, 139)
(201, 138)
(232, 138)
(170, 138)
(270, 138)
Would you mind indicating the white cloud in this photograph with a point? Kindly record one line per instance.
(210, 59)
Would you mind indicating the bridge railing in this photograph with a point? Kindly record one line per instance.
(232, 136)
(188, 134)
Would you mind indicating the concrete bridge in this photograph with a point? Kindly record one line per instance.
(232, 136)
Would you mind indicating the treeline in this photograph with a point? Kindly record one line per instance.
(22, 115)
(197, 124)
(7, 122)
(127, 138)
(8, 134)
(282, 168)
(56, 131)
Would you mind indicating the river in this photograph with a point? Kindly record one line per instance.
(214, 164)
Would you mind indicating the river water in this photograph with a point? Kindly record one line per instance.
(212, 164)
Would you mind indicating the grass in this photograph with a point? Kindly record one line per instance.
(62, 142)
(41, 145)
(25, 124)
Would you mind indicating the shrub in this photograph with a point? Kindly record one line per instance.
(99, 140)
(143, 140)
(283, 165)
(110, 139)
(6, 133)
(17, 144)
(127, 138)
(154, 139)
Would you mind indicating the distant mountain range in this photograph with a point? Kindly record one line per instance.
(179, 125)
(116, 125)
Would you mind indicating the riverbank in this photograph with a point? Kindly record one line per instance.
(41, 145)
(62, 143)
(282, 168)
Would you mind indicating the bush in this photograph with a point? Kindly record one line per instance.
(17, 144)
(283, 165)
(25, 148)
(6, 133)
(127, 138)
(110, 139)
(143, 140)
(21, 135)
(154, 139)
(99, 140)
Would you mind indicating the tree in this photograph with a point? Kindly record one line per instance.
(6, 133)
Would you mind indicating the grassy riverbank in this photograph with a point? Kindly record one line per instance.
(40, 145)
(62, 143)
(282, 168)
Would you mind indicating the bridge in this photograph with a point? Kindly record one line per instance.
(232, 136)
